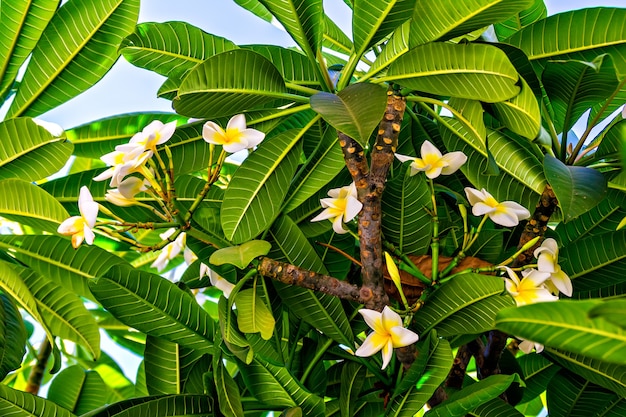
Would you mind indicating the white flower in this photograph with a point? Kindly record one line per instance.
(156, 133)
(433, 162)
(527, 346)
(342, 207)
(121, 164)
(235, 138)
(126, 191)
(217, 281)
(170, 251)
(389, 333)
(507, 213)
(79, 227)
(547, 261)
(530, 289)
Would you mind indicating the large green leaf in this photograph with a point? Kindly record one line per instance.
(461, 402)
(30, 152)
(63, 311)
(253, 315)
(155, 306)
(99, 137)
(611, 310)
(567, 325)
(229, 83)
(334, 38)
(22, 404)
(595, 261)
(294, 246)
(229, 398)
(396, 46)
(171, 48)
(30, 205)
(292, 65)
(273, 384)
(406, 220)
(78, 390)
(256, 191)
(162, 367)
(356, 110)
(448, 305)
(448, 19)
(534, 13)
(537, 372)
(575, 86)
(373, 20)
(22, 23)
(76, 49)
(181, 405)
(578, 189)
(521, 113)
(12, 336)
(255, 7)
(475, 71)
(302, 19)
(569, 35)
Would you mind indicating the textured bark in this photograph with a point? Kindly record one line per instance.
(354, 156)
(36, 374)
(293, 275)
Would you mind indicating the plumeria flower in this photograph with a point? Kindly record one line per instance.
(342, 207)
(433, 162)
(170, 251)
(235, 138)
(126, 191)
(527, 346)
(121, 164)
(80, 227)
(156, 133)
(389, 333)
(547, 261)
(530, 289)
(507, 213)
(216, 280)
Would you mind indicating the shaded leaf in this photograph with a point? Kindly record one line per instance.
(78, 390)
(534, 13)
(13, 336)
(18, 403)
(520, 113)
(159, 406)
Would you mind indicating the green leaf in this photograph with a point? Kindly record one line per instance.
(356, 110)
(18, 403)
(181, 405)
(406, 221)
(255, 7)
(534, 13)
(155, 306)
(253, 315)
(94, 139)
(240, 255)
(294, 246)
(78, 390)
(13, 336)
(273, 384)
(69, 44)
(161, 363)
(292, 65)
(537, 372)
(449, 19)
(467, 304)
(233, 339)
(30, 205)
(521, 113)
(496, 407)
(569, 35)
(461, 402)
(229, 83)
(22, 23)
(578, 189)
(302, 19)
(63, 312)
(228, 396)
(573, 87)
(611, 311)
(569, 326)
(256, 191)
(33, 153)
(171, 48)
(475, 71)
(55, 258)
(352, 379)
(374, 20)
(396, 46)
(595, 261)
(334, 38)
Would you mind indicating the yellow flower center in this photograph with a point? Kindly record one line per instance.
(232, 135)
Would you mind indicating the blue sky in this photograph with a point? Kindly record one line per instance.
(129, 89)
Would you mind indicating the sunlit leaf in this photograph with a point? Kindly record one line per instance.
(158, 406)
(535, 12)
(253, 315)
(521, 113)
(240, 255)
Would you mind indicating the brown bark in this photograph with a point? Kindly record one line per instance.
(36, 374)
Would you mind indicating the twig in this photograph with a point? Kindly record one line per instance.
(36, 374)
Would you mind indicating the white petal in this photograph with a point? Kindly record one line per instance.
(369, 346)
(209, 130)
(252, 137)
(429, 149)
(69, 225)
(161, 261)
(353, 208)
(503, 218)
(338, 225)
(545, 263)
(169, 232)
(374, 319)
(234, 147)
(534, 276)
(454, 160)
(204, 270)
(474, 196)
(89, 235)
(387, 354)
(225, 286)
(238, 121)
(87, 207)
(166, 132)
(104, 175)
(515, 208)
(526, 346)
(324, 215)
(562, 282)
(404, 158)
(433, 172)
(115, 197)
(189, 256)
(390, 318)
(401, 337)
(481, 208)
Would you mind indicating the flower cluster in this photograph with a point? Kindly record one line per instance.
(543, 283)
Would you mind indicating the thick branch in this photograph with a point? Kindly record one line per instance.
(355, 160)
(36, 373)
(293, 275)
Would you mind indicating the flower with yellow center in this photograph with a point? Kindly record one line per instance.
(432, 162)
(530, 289)
(342, 207)
(170, 251)
(79, 227)
(121, 164)
(507, 213)
(156, 133)
(389, 333)
(126, 191)
(547, 261)
(235, 138)
(216, 280)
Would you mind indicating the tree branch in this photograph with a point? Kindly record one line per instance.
(36, 373)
